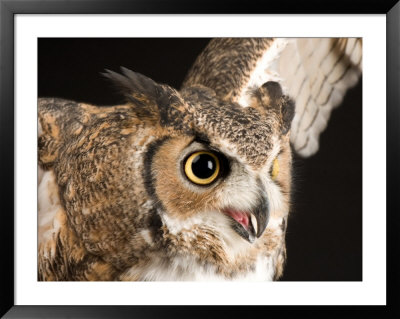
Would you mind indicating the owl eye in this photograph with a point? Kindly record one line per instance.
(275, 169)
(202, 167)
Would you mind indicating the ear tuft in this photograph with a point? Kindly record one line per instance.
(272, 90)
(267, 96)
(157, 102)
(135, 86)
(270, 100)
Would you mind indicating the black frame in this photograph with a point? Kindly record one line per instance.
(9, 8)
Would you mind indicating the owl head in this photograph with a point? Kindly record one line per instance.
(214, 164)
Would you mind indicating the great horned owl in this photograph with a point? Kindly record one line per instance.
(192, 184)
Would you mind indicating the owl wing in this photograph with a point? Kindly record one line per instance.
(315, 72)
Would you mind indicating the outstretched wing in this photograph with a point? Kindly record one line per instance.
(315, 72)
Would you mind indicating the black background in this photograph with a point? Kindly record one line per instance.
(324, 235)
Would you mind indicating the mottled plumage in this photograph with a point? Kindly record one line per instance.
(115, 201)
(314, 72)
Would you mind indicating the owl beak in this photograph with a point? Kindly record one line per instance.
(252, 224)
(259, 217)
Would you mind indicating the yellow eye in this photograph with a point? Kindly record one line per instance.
(275, 169)
(202, 167)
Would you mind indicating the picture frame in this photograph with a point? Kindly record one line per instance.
(9, 9)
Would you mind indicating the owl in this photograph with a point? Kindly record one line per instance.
(190, 184)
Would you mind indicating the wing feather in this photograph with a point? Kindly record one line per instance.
(317, 73)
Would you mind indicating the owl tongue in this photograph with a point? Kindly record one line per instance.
(241, 217)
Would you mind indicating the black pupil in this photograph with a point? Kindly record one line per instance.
(203, 166)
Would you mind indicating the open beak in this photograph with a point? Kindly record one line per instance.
(250, 224)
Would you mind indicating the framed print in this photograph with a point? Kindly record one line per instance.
(339, 242)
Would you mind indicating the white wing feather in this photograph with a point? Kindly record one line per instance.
(317, 73)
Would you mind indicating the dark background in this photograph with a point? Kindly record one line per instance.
(324, 235)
